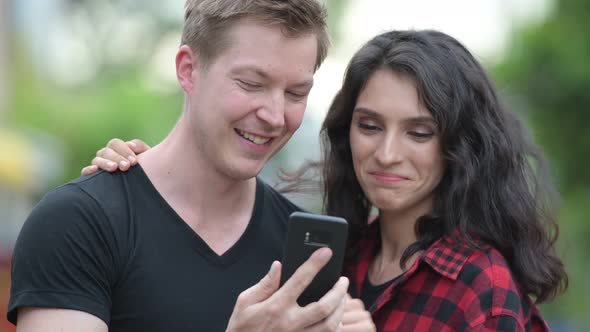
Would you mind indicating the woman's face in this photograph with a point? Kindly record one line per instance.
(395, 145)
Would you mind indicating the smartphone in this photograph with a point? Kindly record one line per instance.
(306, 233)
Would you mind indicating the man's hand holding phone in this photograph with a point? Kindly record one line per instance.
(265, 307)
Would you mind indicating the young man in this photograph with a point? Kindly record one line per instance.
(169, 245)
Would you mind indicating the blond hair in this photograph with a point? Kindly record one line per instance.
(206, 22)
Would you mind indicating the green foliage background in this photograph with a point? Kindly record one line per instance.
(547, 77)
(118, 104)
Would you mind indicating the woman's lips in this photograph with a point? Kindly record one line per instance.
(388, 177)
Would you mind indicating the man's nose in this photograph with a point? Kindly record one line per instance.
(273, 111)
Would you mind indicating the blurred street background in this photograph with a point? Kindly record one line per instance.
(75, 73)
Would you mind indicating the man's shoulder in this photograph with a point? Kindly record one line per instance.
(69, 250)
(273, 200)
(70, 196)
(113, 190)
(272, 209)
(103, 184)
(92, 198)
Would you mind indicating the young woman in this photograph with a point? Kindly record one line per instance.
(465, 230)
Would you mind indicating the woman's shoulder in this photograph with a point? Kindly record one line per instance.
(472, 262)
(488, 269)
(496, 292)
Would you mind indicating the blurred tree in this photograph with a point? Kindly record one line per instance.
(548, 66)
(84, 118)
(126, 94)
(336, 10)
(4, 20)
(547, 75)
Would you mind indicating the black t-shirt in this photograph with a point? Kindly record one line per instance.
(110, 245)
(370, 292)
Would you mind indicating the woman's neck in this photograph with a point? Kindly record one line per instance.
(398, 232)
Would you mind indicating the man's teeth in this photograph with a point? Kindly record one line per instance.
(254, 139)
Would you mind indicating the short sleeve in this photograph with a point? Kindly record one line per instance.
(63, 256)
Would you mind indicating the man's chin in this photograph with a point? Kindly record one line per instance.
(247, 170)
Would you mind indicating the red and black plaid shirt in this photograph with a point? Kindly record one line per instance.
(449, 288)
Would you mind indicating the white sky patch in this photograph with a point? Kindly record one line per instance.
(127, 38)
(477, 23)
(327, 81)
(483, 26)
(161, 74)
(70, 61)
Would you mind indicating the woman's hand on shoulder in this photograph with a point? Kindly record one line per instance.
(118, 154)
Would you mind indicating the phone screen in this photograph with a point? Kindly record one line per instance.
(306, 233)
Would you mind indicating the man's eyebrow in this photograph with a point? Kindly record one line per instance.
(250, 69)
(262, 74)
(304, 84)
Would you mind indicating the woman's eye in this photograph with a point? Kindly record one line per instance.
(367, 127)
(419, 134)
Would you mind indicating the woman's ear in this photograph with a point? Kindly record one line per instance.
(186, 63)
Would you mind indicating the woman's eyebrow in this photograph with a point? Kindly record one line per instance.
(413, 119)
(421, 119)
(368, 112)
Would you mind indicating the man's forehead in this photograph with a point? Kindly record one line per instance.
(250, 29)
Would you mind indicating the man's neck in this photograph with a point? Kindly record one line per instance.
(199, 194)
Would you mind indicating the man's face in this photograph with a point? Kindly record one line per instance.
(251, 98)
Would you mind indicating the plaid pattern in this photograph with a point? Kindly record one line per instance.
(449, 288)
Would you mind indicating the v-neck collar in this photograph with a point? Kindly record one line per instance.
(194, 240)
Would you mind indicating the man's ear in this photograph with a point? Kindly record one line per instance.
(186, 62)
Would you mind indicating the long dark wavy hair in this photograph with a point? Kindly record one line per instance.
(495, 183)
